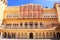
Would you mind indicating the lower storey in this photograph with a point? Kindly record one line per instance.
(29, 34)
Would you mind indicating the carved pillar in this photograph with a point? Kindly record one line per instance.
(27, 35)
(28, 26)
(1, 35)
(23, 26)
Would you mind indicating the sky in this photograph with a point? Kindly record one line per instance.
(44, 3)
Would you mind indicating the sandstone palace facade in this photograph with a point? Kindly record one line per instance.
(30, 21)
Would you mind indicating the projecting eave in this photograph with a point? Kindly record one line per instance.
(12, 8)
(48, 8)
(31, 4)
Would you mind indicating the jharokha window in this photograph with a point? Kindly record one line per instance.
(26, 8)
(9, 16)
(21, 15)
(35, 15)
(30, 15)
(25, 15)
(21, 8)
(30, 7)
(35, 7)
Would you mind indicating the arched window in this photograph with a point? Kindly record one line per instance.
(51, 35)
(39, 35)
(43, 35)
(31, 25)
(26, 25)
(8, 26)
(54, 35)
(36, 35)
(47, 35)
(25, 35)
(22, 36)
(21, 24)
(15, 26)
(18, 35)
(36, 25)
(15, 15)
(41, 25)
(9, 16)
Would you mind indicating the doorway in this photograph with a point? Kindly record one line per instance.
(31, 35)
(58, 35)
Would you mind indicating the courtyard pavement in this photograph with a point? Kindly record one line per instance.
(29, 39)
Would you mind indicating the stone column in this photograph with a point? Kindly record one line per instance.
(23, 25)
(27, 35)
(1, 35)
(7, 35)
(33, 25)
(28, 26)
(11, 35)
(19, 35)
(52, 35)
(45, 35)
(34, 35)
(38, 25)
(12, 26)
(56, 34)
(16, 35)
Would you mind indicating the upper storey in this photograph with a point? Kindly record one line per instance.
(29, 11)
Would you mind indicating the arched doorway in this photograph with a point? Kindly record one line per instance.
(5, 35)
(13, 35)
(31, 35)
(58, 35)
(9, 35)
